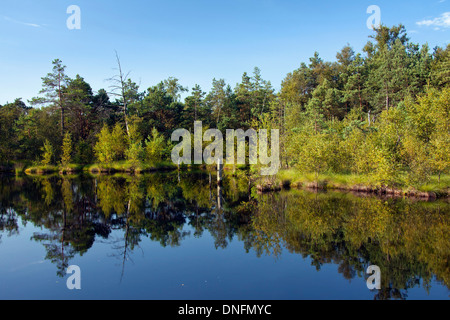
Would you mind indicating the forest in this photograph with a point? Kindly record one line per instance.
(380, 116)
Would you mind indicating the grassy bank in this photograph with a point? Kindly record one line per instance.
(50, 169)
(357, 183)
(43, 169)
(129, 167)
(288, 178)
(114, 167)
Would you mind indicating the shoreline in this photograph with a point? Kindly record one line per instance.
(283, 181)
(362, 189)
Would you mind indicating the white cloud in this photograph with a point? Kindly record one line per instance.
(34, 25)
(442, 21)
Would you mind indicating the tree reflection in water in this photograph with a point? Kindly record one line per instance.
(407, 239)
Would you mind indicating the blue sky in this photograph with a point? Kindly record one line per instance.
(193, 40)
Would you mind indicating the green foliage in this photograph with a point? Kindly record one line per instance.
(135, 150)
(47, 153)
(383, 114)
(10, 115)
(83, 153)
(104, 148)
(154, 147)
(406, 144)
(314, 154)
(119, 142)
(66, 149)
(53, 89)
(135, 153)
(441, 67)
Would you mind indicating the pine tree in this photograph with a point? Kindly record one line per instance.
(66, 156)
(441, 68)
(53, 86)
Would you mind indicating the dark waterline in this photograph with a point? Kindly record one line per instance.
(164, 236)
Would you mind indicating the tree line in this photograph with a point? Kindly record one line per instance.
(383, 112)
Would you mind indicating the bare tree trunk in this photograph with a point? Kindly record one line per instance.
(119, 89)
(122, 84)
(61, 105)
(127, 228)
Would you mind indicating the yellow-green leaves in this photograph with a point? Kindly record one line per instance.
(47, 156)
(66, 149)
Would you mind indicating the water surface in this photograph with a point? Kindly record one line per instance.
(170, 236)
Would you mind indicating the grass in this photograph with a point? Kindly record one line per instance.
(295, 178)
(337, 180)
(118, 166)
(129, 167)
(49, 169)
(434, 185)
(42, 169)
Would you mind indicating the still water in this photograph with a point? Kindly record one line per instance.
(170, 236)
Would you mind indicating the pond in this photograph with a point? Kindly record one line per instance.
(170, 236)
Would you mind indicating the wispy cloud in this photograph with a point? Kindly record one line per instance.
(443, 21)
(34, 25)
